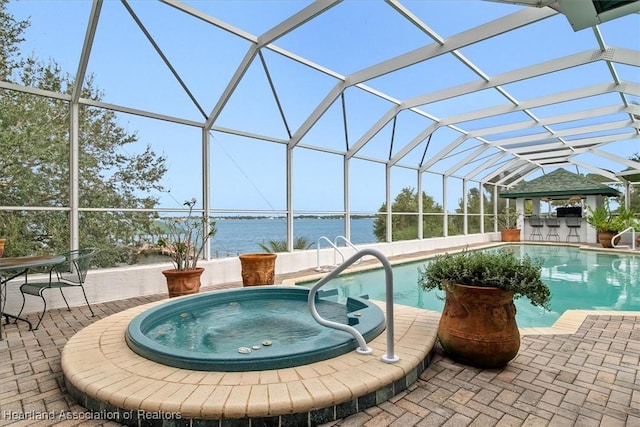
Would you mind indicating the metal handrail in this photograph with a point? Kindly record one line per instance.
(633, 238)
(347, 243)
(389, 357)
(335, 249)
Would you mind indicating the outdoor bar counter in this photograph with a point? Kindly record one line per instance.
(578, 193)
(564, 232)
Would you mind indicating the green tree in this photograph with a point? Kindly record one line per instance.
(36, 171)
(473, 207)
(405, 227)
(11, 36)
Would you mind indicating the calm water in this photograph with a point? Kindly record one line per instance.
(237, 236)
(577, 279)
(224, 328)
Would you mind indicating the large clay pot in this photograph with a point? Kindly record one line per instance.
(478, 326)
(2, 247)
(604, 237)
(510, 234)
(258, 269)
(183, 282)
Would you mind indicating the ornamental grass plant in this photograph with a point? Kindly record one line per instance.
(185, 238)
(499, 269)
(508, 218)
(602, 218)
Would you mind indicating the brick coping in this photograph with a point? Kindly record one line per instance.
(105, 376)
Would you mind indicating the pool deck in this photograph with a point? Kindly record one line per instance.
(103, 374)
(583, 371)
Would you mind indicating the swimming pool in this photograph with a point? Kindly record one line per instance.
(578, 279)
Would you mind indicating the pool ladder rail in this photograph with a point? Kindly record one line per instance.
(633, 238)
(390, 356)
(336, 250)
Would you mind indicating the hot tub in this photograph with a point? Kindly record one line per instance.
(250, 329)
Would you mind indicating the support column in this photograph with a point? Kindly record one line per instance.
(445, 217)
(289, 199)
(520, 209)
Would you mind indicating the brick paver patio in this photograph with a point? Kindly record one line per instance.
(588, 378)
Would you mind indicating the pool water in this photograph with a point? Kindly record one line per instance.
(586, 280)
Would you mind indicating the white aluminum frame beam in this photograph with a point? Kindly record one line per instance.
(556, 98)
(467, 159)
(520, 173)
(585, 114)
(443, 152)
(536, 70)
(489, 163)
(508, 166)
(466, 38)
(601, 127)
(627, 162)
(596, 170)
(413, 143)
(576, 143)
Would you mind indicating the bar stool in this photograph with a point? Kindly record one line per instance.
(553, 224)
(536, 224)
(573, 224)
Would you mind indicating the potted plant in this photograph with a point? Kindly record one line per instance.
(258, 269)
(608, 224)
(508, 222)
(184, 241)
(478, 325)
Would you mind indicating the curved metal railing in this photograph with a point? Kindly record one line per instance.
(390, 356)
(336, 249)
(633, 238)
(347, 243)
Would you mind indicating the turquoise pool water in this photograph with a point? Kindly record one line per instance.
(587, 280)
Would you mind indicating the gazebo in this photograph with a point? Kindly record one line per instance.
(580, 192)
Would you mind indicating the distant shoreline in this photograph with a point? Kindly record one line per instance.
(273, 217)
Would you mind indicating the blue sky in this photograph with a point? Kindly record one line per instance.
(249, 174)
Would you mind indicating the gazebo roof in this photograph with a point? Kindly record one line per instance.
(560, 183)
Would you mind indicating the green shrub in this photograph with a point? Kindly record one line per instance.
(499, 269)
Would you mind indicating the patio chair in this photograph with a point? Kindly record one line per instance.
(70, 273)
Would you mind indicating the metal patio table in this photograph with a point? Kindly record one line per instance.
(18, 266)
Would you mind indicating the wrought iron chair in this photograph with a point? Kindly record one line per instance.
(71, 273)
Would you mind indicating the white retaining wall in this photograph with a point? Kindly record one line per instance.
(111, 284)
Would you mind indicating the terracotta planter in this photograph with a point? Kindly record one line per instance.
(510, 234)
(478, 326)
(2, 246)
(258, 269)
(604, 238)
(183, 282)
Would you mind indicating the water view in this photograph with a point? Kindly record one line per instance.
(236, 236)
